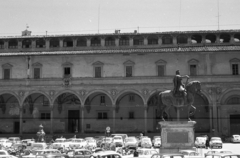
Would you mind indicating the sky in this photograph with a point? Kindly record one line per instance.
(55, 17)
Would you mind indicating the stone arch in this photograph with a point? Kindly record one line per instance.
(66, 91)
(227, 94)
(130, 91)
(34, 92)
(12, 93)
(98, 91)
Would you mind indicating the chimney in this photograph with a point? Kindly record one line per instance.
(117, 31)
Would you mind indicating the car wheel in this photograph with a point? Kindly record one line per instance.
(155, 156)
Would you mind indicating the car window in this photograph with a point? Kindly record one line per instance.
(234, 156)
(87, 153)
(79, 153)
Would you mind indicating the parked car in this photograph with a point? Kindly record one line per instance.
(118, 140)
(190, 153)
(131, 142)
(14, 139)
(106, 154)
(52, 156)
(221, 155)
(215, 142)
(60, 143)
(46, 151)
(146, 143)
(235, 138)
(5, 154)
(119, 134)
(28, 142)
(156, 142)
(77, 143)
(99, 140)
(170, 155)
(211, 152)
(146, 153)
(38, 146)
(79, 153)
(200, 142)
(92, 143)
(6, 143)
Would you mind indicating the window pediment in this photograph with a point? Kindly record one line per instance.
(193, 61)
(234, 60)
(161, 62)
(129, 62)
(7, 65)
(98, 63)
(67, 64)
(37, 64)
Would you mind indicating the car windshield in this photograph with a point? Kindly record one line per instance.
(117, 138)
(236, 136)
(60, 141)
(216, 139)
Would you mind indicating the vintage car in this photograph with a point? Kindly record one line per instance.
(146, 153)
(146, 143)
(14, 139)
(6, 143)
(124, 136)
(5, 154)
(211, 152)
(215, 142)
(77, 143)
(106, 154)
(52, 156)
(222, 155)
(99, 140)
(38, 146)
(60, 143)
(235, 138)
(107, 140)
(46, 151)
(156, 142)
(200, 142)
(28, 142)
(92, 143)
(118, 140)
(131, 142)
(190, 153)
(79, 153)
(154, 137)
(170, 155)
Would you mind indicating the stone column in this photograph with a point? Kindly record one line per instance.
(145, 118)
(5, 44)
(102, 41)
(203, 39)
(145, 40)
(47, 44)
(82, 119)
(19, 44)
(74, 42)
(174, 39)
(217, 38)
(20, 119)
(88, 42)
(61, 42)
(130, 41)
(51, 118)
(33, 43)
(189, 39)
(160, 40)
(210, 118)
(219, 118)
(117, 41)
(232, 39)
(114, 118)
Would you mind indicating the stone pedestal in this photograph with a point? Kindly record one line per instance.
(177, 135)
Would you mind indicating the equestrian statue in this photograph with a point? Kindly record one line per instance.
(181, 95)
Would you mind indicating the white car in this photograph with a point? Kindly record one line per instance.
(147, 153)
(146, 143)
(91, 143)
(77, 143)
(106, 154)
(200, 142)
(5, 154)
(131, 142)
(190, 154)
(235, 138)
(215, 142)
(6, 143)
(38, 146)
(60, 143)
(157, 142)
(14, 139)
(118, 141)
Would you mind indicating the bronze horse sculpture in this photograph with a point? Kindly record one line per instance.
(169, 100)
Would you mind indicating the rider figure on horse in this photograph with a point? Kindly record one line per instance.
(179, 88)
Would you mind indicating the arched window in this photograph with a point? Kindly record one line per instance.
(167, 39)
(210, 38)
(54, 42)
(95, 41)
(138, 40)
(12, 44)
(40, 43)
(124, 41)
(233, 100)
(81, 42)
(26, 43)
(237, 38)
(196, 39)
(152, 40)
(109, 41)
(182, 39)
(225, 38)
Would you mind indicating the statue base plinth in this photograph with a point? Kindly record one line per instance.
(177, 135)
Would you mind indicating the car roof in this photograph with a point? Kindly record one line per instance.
(224, 154)
(105, 152)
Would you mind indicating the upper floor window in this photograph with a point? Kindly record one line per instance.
(138, 40)
(109, 41)
(27, 43)
(196, 38)
(7, 70)
(67, 42)
(37, 70)
(128, 67)
(81, 42)
(234, 63)
(102, 100)
(102, 115)
(193, 67)
(45, 116)
(131, 115)
(97, 67)
(13, 44)
(210, 38)
(124, 41)
(161, 66)
(167, 39)
(131, 98)
(182, 39)
(95, 42)
(152, 40)
(1, 44)
(67, 69)
(54, 43)
(40, 43)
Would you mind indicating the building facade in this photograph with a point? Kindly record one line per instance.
(84, 83)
